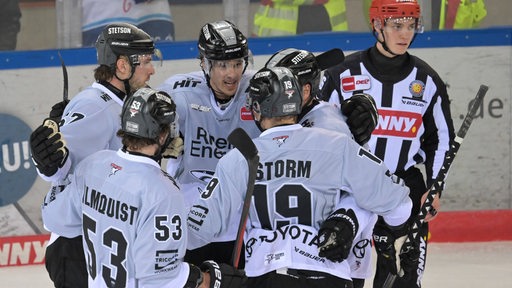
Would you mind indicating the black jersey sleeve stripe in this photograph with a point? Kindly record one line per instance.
(380, 148)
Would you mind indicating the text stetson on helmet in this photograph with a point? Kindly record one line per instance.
(385, 9)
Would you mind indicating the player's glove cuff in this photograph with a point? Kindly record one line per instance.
(195, 277)
(223, 275)
(58, 110)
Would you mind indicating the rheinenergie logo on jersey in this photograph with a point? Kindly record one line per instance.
(398, 123)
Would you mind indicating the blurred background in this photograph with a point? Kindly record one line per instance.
(50, 24)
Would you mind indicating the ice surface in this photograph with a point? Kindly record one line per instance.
(449, 265)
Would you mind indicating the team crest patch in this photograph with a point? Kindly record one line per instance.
(202, 175)
(356, 82)
(114, 168)
(280, 139)
(417, 88)
(245, 114)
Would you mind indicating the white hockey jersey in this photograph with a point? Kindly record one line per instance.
(132, 217)
(327, 116)
(89, 124)
(301, 175)
(205, 128)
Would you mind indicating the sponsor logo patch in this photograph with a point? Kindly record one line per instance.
(356, 82)
(398, 123)
(417, 88)
(245, 114)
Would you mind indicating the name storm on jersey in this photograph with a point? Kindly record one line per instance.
(398, 123)
(283, 168)
(108, 206)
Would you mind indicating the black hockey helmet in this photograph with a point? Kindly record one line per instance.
(221, 40)
(145, 111)
(301, 62)
(122, 39)
(275, 92)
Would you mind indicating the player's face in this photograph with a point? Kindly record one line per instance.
(398, 34)
(143, 72)
(306, 95)
(225, 76)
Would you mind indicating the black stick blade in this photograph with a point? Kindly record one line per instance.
(330, 58)
(243, 143)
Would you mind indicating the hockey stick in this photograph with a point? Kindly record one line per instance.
(437, 187)
(244, 144)
(65, 78)
(330, 58)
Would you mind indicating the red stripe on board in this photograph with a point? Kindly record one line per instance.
(472, 226)
(23, 250)
(450, 226)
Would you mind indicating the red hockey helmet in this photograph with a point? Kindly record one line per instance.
(385, 9)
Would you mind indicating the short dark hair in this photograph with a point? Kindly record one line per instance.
(136, 143)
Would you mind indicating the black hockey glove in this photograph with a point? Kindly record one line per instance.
(409, 258)
(388, 242)
(174, 149)
(58, 110)
(362, 116)
(336, 235)
(49, 150)
(224, 276)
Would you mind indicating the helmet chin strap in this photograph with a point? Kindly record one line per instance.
(126, 81)
(383, 43)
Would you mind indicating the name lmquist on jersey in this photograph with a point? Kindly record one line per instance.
(108, 206)
(398, 123)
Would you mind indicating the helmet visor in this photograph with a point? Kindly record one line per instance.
(408, 23)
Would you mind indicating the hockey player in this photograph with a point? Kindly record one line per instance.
(211, 103)
(317, 113)
(89, 124)
(298, 205)
(415, 125)
(129, 211)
